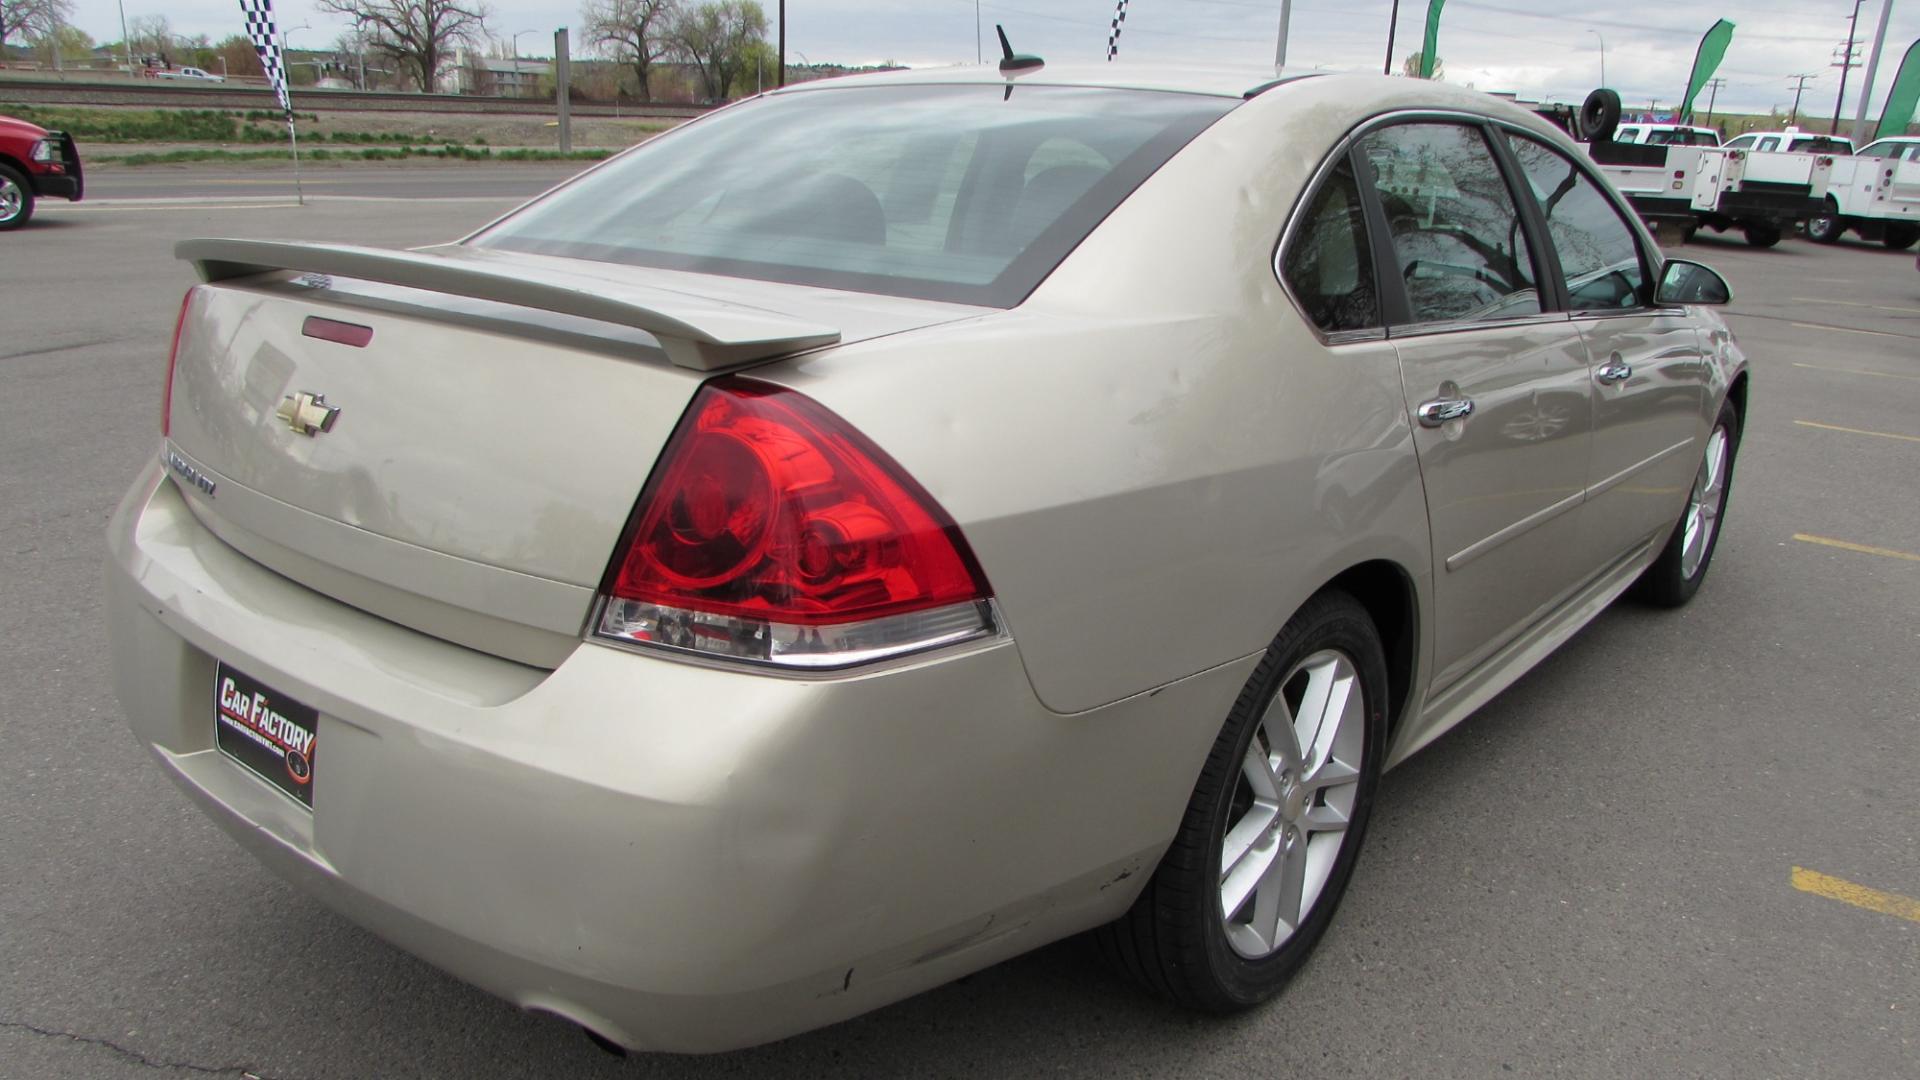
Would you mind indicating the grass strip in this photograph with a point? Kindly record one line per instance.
(370, 153)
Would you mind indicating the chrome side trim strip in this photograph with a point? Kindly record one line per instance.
(1637, 467)
(1531, 521)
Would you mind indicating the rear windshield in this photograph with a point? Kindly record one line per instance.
(1682, 137)
(970, 194)
(1821, 145)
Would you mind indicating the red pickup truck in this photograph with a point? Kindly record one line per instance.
(34, 164)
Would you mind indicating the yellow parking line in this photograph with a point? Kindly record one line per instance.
(171, 207)
(1858, 431)
(1855, 303)
(1860, 896)
(1862, 548)
(1857, 371)
(1842, 329)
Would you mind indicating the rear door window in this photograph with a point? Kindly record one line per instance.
(1327, 262)
(1457, 237)
(1599, 255)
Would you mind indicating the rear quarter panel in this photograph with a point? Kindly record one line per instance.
(1155, 459)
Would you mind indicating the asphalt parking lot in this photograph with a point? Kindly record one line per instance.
(1686, 845)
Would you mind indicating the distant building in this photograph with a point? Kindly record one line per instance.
(511, 77)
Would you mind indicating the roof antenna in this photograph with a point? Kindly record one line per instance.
(1010, 61)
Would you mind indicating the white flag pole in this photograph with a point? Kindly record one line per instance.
(293, 139)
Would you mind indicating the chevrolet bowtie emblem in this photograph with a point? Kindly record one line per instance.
(307, 414)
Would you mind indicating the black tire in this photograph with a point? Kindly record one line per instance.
(1826, 227)
(1175, 938)
(14, 186)
(1762, 236)
(1900, 237)
(1667, 582)
(1600, 115)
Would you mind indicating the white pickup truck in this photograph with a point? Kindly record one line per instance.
(1680, 176)
(1876, 193)
(1792, 140)
(193, 73)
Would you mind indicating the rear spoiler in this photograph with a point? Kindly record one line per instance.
(696, 332)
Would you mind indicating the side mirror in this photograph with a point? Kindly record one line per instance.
(1683, 282)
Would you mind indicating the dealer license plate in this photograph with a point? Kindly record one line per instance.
(265, 730)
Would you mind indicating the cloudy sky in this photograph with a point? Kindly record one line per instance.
(1526, 46)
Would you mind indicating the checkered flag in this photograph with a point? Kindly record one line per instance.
(1113, 35)
(266, 42)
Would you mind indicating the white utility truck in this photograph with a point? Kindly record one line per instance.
(1875, 193)
(1680, 177)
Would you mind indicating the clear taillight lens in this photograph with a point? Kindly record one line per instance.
(773, 532)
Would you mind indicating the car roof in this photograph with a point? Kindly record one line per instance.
(1336, 100)
(1219, 80)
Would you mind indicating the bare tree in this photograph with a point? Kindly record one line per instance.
(715, 38)
(152, 37)
(32, 18)
(635, 32)
(419, 36)
(1410, 67)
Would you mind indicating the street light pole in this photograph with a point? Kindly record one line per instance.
(126, 46)
(519, 89)
(780, 79)
(1873, 65)
(1603, 55)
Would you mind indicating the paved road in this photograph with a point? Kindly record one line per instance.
(410, 180)
(1592, 877)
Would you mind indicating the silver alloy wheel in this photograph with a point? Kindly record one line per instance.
(1291, 805)
(1703, 507)
(11, 199)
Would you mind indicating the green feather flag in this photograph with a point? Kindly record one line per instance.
(1427, 50)
(1905, 95)
(1713, 47)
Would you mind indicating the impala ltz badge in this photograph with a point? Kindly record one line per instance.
(307, 414)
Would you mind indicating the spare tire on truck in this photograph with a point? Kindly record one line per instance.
(1600, 115)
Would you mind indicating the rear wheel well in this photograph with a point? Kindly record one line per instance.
(1386, 591)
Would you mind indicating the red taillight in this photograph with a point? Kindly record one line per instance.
(173, 356)
(771, 530)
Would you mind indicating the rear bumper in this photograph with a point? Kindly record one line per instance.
(1771, 203)
(1658, 208)
(679, 857)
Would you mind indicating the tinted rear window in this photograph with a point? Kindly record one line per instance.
(1683, 137)
(958, 193)
(1818, 145)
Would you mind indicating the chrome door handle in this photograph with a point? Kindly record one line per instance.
(1440, 410)
(1614, 372)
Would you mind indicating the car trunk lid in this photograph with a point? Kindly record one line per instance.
(451, 439)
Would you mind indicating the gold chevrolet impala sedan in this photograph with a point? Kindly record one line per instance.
(893, 523)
